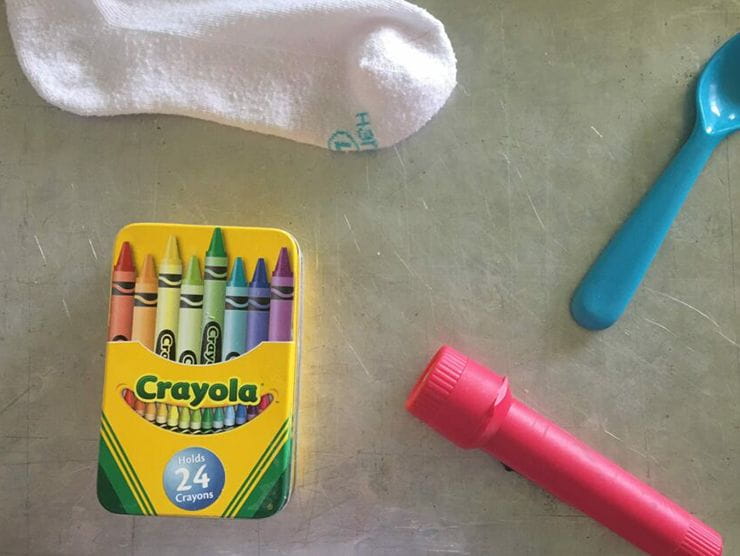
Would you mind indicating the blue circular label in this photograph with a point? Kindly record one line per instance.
(194, 479)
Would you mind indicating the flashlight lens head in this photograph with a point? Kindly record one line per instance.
(455, 396)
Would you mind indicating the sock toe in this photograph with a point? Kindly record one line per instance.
(402, 78)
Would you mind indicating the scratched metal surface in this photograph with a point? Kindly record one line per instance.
(473, 232)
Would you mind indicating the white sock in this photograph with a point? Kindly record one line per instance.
(342, 74)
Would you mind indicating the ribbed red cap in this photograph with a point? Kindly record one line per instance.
(455, 396)
(700, 540)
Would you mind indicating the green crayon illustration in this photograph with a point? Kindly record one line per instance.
(214, 299)
(207, 424)
(173, 417)
(195, 421)
(184, 423)
(168, 301)
(218, 419)
(191, 314)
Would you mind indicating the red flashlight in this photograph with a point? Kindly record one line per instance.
(473, 407)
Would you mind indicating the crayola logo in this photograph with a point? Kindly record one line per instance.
(166, 345)
(210, 352)
(150, 388)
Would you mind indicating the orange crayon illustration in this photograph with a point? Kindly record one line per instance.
(145, 305)
(145, 313)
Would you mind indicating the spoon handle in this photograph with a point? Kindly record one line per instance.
(612, 280)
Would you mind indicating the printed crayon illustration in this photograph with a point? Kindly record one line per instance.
(206, 426)
(216, 269)
(145, 316)
(173, 417)
(235, 323)
(235, 315)
(196, 421)
(168, 303)
(120, 316)
(218, 419)
(191, 314)
(265, 401)
(281, 300)
(130, 398)
(229, 417)
(122, 296)
(150, 412)
(188, 334)
(145, 305)
(183, 424)
(162, 413)
(258, 310)
(240, 416)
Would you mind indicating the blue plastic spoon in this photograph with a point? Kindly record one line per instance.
(607, 288)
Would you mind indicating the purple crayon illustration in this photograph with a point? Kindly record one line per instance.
(258, 307)
(281, 300)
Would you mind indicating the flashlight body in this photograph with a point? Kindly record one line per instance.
(474, 407)
(578, 475)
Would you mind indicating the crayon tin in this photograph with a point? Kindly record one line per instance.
(204, 427)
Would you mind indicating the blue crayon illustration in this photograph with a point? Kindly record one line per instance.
(235, 318)
(241, 415)
(235, 315)
(258, 311)
(229, 416)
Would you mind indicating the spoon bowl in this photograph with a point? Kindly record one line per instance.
(718, 92)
